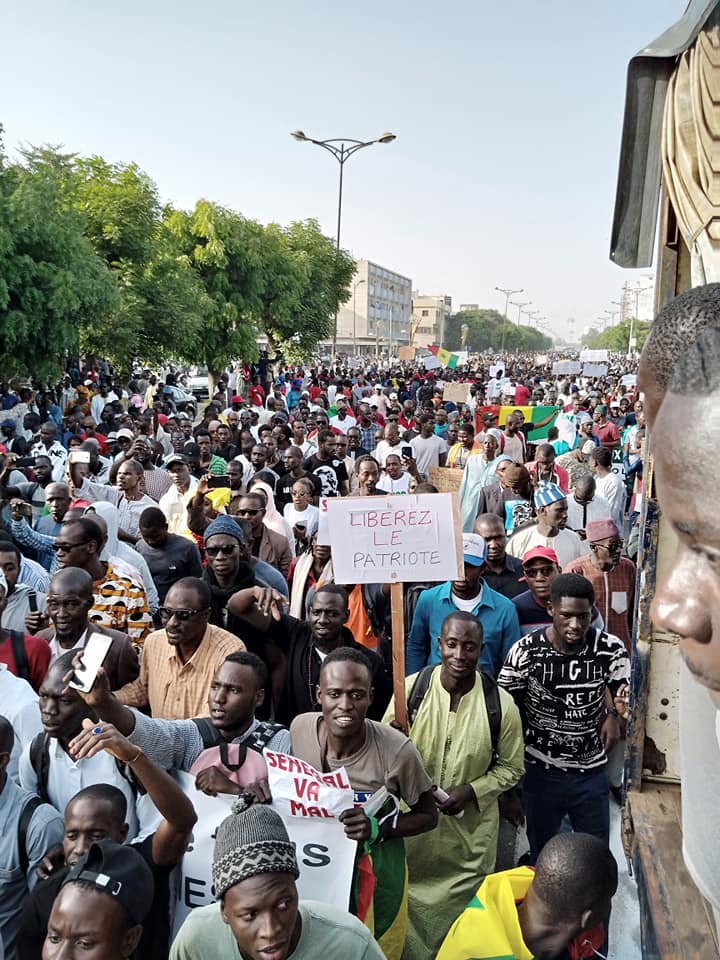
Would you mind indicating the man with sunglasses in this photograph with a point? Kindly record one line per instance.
(612, 576)
(540, 567)
(180, 660)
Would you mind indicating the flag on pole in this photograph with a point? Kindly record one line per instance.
(447, 359)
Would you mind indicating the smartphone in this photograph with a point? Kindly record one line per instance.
(93, 657)
(407, 451)
(22, 463)
(441, 796)
(79, 456)
(215, 482)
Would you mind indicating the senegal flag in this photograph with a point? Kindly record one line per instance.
(447, 359)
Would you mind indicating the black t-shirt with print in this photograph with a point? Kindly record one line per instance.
(330, 473)
(561, 696)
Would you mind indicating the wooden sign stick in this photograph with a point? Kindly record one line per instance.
(398, 654)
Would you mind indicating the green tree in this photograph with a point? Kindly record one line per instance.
(325, 274)
(52, 282)
(162, 302)
(487, 330)
(618, 337)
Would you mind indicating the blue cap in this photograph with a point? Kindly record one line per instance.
(224, 524)
(8, 423)
(548, 493)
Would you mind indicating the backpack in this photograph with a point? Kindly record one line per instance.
(492, 704)
(40, 762)
(258, 739)
(23, 826)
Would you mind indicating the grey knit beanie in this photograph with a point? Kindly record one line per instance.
(224, 524)
(252, 840)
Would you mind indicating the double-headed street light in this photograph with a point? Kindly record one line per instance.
(508, 293)
(342, 149)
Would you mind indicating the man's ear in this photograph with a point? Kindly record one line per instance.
(131, 941)
(371, 694)
(317, 693)
(259, 696)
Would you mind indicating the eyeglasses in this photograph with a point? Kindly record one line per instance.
(67, 547)
(532, 573)
(614, 547)
(182, 614)
(248, 513)
(225, 549)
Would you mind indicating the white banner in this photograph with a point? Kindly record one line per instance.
(594, 369)
(566, 367)
(376, 540)
(431, 362)
(325, 855)
(594, 356)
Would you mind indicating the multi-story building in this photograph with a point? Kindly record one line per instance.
(377, 317)
(429, 313)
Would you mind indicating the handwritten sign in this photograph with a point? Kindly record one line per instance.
(382, 540)
(301, 791)
(456, 392)
(325, 855)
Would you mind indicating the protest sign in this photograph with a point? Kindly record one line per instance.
(431, 362)
(594, 369)
(594, 356)
(406, 353)
(325, 855)
(456, 392)
(390, 540)
(629, 379)
(497, 370)
(566, 367)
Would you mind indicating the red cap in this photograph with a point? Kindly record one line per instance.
(539, 553)
(237, 399)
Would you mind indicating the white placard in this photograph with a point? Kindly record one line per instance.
(566, 367)
(594, 356)
(325, 855)
(383, 540)
(595, 369)
(431, 362)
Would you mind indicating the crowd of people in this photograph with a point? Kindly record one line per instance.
(190, 546)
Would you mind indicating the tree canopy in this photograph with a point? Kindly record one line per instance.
(90, 260)
(485, 332)
(618, 337)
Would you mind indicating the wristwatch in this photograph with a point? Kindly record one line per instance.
(611, 712)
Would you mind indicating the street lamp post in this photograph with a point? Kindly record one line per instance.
(342, 149)
(508, 294)
(355, 286)
(520, 308)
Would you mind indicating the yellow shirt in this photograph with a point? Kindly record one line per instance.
(489, 926)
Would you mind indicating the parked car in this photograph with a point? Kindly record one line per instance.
(197, 383)
(181, 400)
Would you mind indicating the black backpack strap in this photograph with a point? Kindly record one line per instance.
(419, 689)
(225, 758)
(23, 826)
(22, 664)
(210, 736)
(40, 762)
(494, 712)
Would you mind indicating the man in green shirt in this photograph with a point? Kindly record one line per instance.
(254, 873)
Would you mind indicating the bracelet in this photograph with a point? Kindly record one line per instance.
(611, 712)
(137, 755)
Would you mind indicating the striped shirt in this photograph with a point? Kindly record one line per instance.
(175, 690)
(121, 604)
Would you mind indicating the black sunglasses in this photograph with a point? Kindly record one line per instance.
(183, 614)
(67, 547)
(225, 549)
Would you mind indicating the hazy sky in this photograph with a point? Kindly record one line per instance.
(507, 115)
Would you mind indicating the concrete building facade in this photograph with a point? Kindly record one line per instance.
(429, 314)
(377, 317)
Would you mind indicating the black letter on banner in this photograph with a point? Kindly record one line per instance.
(319, 854)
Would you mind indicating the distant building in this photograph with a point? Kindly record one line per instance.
(376, 319)
(638, 300)
(429, 315)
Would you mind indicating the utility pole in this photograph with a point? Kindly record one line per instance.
(508, 293)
